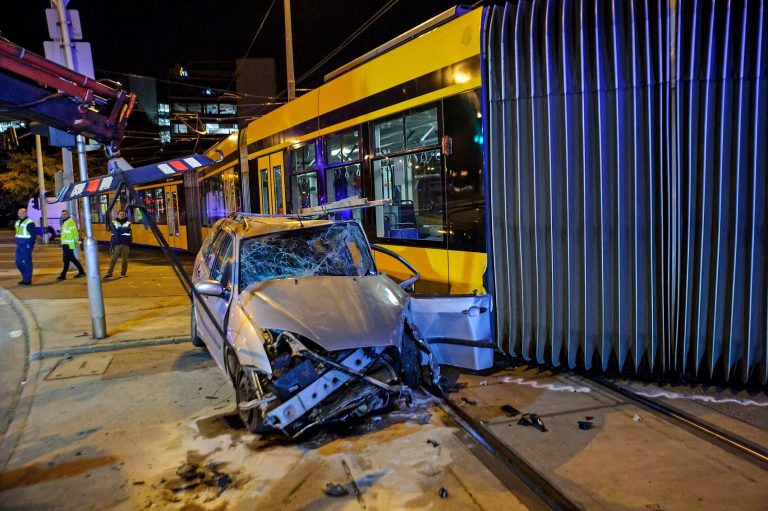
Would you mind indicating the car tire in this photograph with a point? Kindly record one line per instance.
(244, 392)
(410, 361)
(196, 340)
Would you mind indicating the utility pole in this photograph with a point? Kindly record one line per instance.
(289, 50)
(41, 188)
(91, 249)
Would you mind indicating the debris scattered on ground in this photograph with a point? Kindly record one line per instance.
(531, 419)
(188, 472)
(484, 383)
(585, 425)
(377, 418)
(510, 410)
(335, 490)
(637, 418)
(443, 493)
(433, 443)
(469, 401)
(138, 483)
(358, 493)
(589, 417)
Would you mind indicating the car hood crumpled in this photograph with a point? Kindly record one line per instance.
(335, 312)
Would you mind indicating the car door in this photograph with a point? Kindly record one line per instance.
(217, 265)
(457, 328)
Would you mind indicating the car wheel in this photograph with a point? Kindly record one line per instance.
(410, 361)
(196, 340)
(244, 392)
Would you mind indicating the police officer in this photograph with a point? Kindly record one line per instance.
(25, 243)
(121, 242)
(69, 237)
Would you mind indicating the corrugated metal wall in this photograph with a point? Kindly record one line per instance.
(626, 148)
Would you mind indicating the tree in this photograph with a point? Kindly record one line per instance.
(18, 180)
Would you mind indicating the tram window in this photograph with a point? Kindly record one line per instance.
(213, 200)
(414, 183)
(344, 182)
(421, 129)
(303, 158)
(277, 179)
(303, 191)
(161, 215)
(342, 148)
(413, 131)
(264, 179)
(388, 136)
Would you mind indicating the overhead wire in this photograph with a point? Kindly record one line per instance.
(258, 31)
(362, 28)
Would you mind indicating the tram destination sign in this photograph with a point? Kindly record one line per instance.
(128, 175)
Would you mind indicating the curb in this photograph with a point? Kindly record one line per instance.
(24, 404)
(98, 348)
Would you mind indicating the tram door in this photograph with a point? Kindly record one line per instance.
(271, 185)
(176, 226)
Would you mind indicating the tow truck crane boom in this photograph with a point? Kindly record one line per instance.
(59, 97)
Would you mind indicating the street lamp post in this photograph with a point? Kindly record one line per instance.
(90, 248)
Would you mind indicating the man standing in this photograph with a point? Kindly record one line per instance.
(25, 243)
(121, 242)
(69, 236)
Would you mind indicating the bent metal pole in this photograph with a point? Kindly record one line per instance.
(91, 250)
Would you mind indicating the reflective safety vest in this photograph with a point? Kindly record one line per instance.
(21, 229)
(69, 233)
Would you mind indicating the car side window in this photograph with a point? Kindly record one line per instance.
(214, 248)
(222, 260)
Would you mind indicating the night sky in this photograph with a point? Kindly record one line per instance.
(148, 37)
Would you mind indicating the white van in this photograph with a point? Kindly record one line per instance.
(53, 210)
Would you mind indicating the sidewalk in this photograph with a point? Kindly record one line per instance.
(148, 304)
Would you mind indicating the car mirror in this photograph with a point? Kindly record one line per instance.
(209, 288)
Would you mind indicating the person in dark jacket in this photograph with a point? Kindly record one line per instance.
(121, 243)
(25, 243)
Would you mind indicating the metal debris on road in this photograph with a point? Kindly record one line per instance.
(469, 401)
(585, 425)
(637, 418)
(531, 419)
(358, 493)
(510, 410)
(443, 493)
(335, 490)
(188, 472)
(484, 383)
(433, 443)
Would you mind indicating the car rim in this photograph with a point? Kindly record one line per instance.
(247, 393)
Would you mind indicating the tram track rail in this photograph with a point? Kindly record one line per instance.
(552, 496)
(548, 493)
(714, 435)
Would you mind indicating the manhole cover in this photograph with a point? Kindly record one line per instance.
(85, 365)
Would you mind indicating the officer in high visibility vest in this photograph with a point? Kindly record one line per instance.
(69, 237)
(25, 243)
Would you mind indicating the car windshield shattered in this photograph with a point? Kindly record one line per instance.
(338, 249)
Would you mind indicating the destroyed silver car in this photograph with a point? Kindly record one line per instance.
(296, 314)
